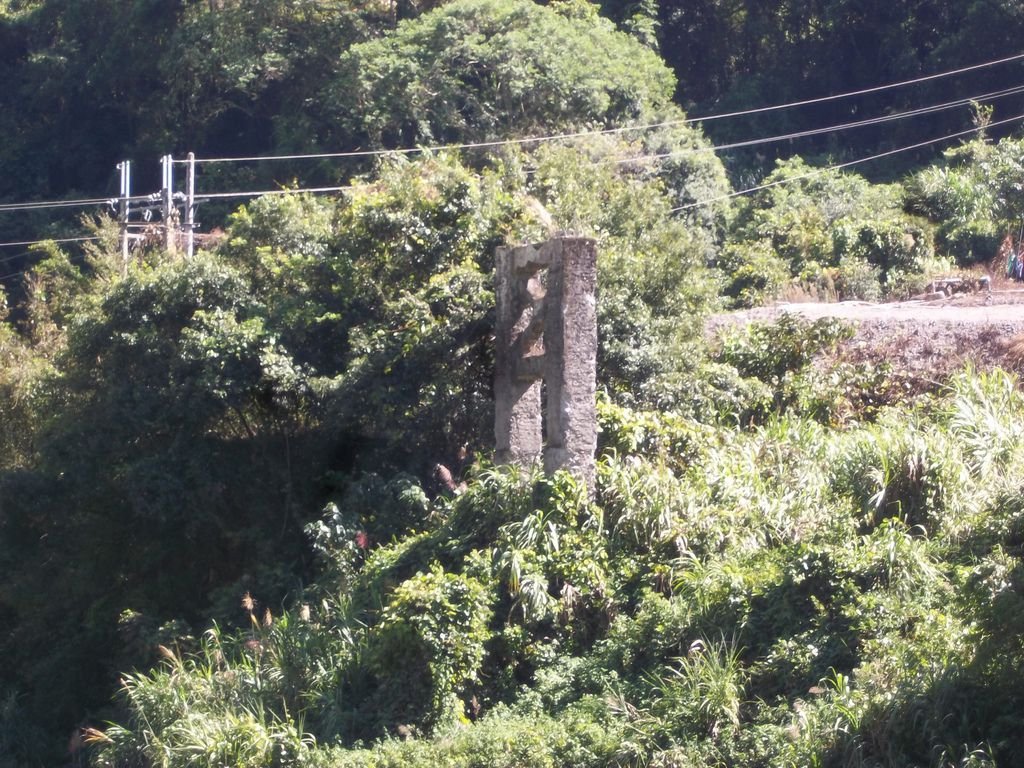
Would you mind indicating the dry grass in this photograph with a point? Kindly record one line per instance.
(1013, 353)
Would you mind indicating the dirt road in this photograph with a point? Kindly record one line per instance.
(930, 338)
(1004, 308)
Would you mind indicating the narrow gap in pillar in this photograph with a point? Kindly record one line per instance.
(543, 412)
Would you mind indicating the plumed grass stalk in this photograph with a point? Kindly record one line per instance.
(224, 706)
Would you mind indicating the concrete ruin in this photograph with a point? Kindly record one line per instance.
(546, 356)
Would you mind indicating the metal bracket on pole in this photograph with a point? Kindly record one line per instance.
(190, 205)
(170, 213)
(125, 167)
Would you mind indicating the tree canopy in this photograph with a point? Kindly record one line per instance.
(494, 69)
(223, 521)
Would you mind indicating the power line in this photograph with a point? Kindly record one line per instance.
(689, 206)
(56, 204)
(714, 148)
(261, 193)
(52, 204)
(84, 203)
(819, 171)
(698, 150)
(830, 129)
(49, 240)
(438, 148)
(606, 131)
(15, 257)
(752, 142)
(864, 91)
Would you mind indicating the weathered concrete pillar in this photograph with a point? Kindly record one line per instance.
(546, 335)
(520, 313)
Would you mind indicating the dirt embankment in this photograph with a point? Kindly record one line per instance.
(922, 339)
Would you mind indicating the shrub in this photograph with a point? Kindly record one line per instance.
(665, 435)
(898, 246)
(847, 393)
(973, 243)
(915, 475)
(753, 272)
(643, 503)
(580, 738)
(856, 278)
(427, 648)
(767, 351)
(219, 708)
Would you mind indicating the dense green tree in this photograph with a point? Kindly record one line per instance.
(241, 77)
(167, 389)
(974, 197)
(90, 83)
(479, 70)
(834, 231)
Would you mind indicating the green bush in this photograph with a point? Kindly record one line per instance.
(898, 246)
(974, 198)
(666, 435)
(768, 351)
(754, 273)
(856, 278)
(427, 649)
(915, 475)
(825, 228)
(472, 69)
(220, 708)
(504, 739)
(973, 243)
(788, 594)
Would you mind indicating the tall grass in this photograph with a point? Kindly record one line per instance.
(238, 701)
(788, 595)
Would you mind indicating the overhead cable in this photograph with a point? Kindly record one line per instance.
(85, 203)
(50, 240)
(598, 132)
(689, 151)
(56, 204)
(864, 91)
(38, 205)
(53, 204)
(261, 193)
(838, 166)
(13, 274)
(829, 129)
(15, 257)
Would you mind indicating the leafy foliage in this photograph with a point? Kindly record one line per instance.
(786, 595)
(474, 69)
(782, 563)
(438, 622)
(974, 197)
(839, 236)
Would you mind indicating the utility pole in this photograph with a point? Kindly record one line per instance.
(170, 213)
(190, 205)
(125, 167)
